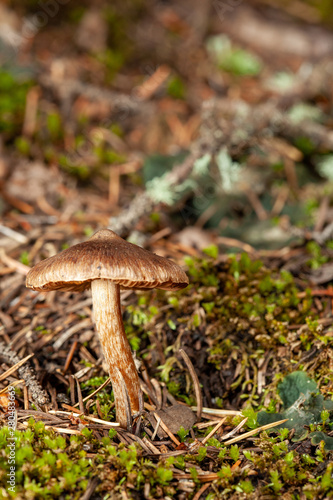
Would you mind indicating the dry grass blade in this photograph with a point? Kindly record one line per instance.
(79, 394)
(256, 204)
(216, 428)
(85, 323)
(197, 390)
(174, 453)
(38, 415)
(255, 431)
(90, 489)
(58, 429)
(26, 397)
(144, 445)
(149, 87)
(156, 428)
(70, 356)
(14, 235)
(232, 242)
(150, 393)
(236, 429)
(158, 393)
(150, 445)
(149, 407)
(12, 263)
(204, 425)
(167, 430)
(13, 369)
(216, 412)
(95, 392)
(203, 478)
(12, 384)
(86, 417)
(201, 491)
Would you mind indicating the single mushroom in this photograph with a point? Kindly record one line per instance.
(105, 263)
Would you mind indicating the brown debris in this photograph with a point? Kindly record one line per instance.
(37, 394)
(47, 204)
(172, 419)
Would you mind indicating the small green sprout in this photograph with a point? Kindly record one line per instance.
(182, 433)
(275, 484)
(234, 453)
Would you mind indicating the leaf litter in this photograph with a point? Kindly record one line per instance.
(250, 170)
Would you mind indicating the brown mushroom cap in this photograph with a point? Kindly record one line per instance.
(106, 256)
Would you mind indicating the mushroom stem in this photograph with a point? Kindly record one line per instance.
(115, 346)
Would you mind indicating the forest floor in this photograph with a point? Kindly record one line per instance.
(202, 131)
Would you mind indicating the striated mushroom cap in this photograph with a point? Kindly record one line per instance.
(106, 256)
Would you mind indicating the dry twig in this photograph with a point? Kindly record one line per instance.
(38, 395)
(198, 393)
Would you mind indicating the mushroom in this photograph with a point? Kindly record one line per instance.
(105, 263)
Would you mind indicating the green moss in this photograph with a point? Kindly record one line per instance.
(54, 126)
(93, 382)
(236, 310)
(13, 92)
(24, 258)
(176, 88)
(45, 464)
(23, 145)
(80, 171)
(317, 259)
(49, 465)
(241, 62)
(246, 300)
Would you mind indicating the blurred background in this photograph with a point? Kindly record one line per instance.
(196, 129)
(195, 122)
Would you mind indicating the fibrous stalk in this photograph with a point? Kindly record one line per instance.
(115, 346)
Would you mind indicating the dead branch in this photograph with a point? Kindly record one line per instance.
(26, 372)
(235, 125)
(68, 89)
(245, 121)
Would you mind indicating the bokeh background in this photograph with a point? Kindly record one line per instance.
(201, 130)
(100, 101)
